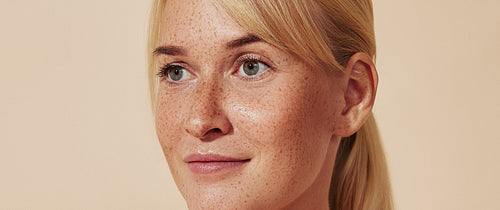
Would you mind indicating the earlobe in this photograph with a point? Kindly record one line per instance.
(359, 94)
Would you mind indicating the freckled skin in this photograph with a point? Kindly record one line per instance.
(284, 121)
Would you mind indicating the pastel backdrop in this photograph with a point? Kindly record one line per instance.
(77, 131)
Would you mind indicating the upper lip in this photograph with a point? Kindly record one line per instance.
(211, 158)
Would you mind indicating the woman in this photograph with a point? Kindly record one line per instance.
(266, 104)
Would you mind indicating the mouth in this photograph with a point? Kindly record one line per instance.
(211, 163)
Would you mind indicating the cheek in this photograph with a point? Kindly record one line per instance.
(290, 124)
(297, 111)
(168, 121)
(168, 128)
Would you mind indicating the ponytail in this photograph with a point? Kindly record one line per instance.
(360, 179)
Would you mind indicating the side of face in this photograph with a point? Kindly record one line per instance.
(253, 103)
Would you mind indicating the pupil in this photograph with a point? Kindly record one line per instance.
(251, 66)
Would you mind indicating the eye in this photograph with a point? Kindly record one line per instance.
(252, 68)
(175, 73)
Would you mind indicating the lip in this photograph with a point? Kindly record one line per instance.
(213, 163)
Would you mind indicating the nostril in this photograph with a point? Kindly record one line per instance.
(216, 130)
(212, 134)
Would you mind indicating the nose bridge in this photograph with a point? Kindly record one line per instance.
(206, 97)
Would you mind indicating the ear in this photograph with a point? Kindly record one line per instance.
(359, 94)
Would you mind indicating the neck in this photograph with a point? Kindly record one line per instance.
(316, 196)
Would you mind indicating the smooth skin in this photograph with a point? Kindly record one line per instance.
(287, 117)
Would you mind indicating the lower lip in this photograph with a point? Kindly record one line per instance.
(215, 166)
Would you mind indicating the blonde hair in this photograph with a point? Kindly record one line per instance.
(324, 33)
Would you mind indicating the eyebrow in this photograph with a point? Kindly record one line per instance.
(170, 50)
(243, 41)
(178, 50)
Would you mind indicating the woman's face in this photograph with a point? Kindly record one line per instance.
(242, 123)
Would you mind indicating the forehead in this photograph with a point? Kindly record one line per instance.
(195, 21)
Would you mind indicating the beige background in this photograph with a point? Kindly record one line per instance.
(77, 133)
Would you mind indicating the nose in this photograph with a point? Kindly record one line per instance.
(207, 119)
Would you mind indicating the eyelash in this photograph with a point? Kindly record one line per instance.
(247, 57)
(163, 72)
